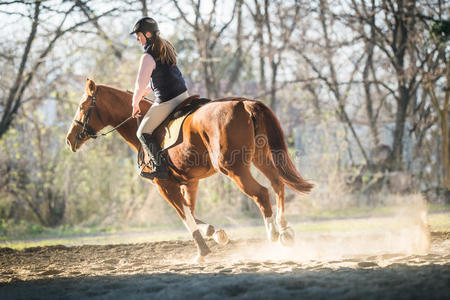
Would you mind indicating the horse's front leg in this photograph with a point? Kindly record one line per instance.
(189, 192)
(191, 225)
(171, 192)
(208, 230)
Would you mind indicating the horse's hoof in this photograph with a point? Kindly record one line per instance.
(287, 237)
(199, 259)
(273, 236)
(271, 228)
(221, 237)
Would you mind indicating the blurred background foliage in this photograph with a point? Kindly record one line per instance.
(361, 89)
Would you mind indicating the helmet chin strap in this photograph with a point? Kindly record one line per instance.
(149, 41)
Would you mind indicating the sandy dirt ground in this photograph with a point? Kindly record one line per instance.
(355, 264)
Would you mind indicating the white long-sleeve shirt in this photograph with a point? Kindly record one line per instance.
(142, 85)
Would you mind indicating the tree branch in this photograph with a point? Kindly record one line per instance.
(10, 102)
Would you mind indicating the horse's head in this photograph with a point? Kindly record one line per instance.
(88, 120)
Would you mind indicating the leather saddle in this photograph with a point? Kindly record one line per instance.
(169, 133)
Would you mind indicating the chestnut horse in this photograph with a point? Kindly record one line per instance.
(224, 135)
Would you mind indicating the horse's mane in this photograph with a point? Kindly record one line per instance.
(125, 93)
(114, 89)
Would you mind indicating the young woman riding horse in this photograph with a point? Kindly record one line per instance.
(157, 71)
(225, 135)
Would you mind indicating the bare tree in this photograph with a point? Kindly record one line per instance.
(367, 83)
(258, 17)
(144, 7)
(27, 69)
(207, 35)
(91, 16)
(326, 69)
(437, 70)
(277, 21)
(395, 34)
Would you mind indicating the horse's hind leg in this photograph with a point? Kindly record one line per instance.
(189, 192)
(233, 149)
(263, 162)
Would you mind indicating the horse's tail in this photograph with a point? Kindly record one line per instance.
(267, 127)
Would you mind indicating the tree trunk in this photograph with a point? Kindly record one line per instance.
(443, 117)
(370, 45)
(396, 159)
(445, 124)
(234, 75)
(399, 45)
(445, 146)
(273, 87)
(13, 101)
(144, 8)
(262, 71)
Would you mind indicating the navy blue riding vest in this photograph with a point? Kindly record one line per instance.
(167, 81)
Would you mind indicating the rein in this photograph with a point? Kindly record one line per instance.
(88, 130)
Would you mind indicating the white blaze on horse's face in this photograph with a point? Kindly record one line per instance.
(75, 129)
(77, 114)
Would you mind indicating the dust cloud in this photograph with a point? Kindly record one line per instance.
(404, 231)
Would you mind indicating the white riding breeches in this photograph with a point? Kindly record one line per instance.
(157, 113)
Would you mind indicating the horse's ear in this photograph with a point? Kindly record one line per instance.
(90, 87)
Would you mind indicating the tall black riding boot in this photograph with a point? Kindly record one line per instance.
(159, 166)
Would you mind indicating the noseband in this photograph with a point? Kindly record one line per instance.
(87, 130)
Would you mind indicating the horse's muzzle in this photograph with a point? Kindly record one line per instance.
(69, 143)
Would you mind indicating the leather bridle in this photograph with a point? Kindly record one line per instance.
(87, 130)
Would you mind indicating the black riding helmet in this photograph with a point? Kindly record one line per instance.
(145, 24)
